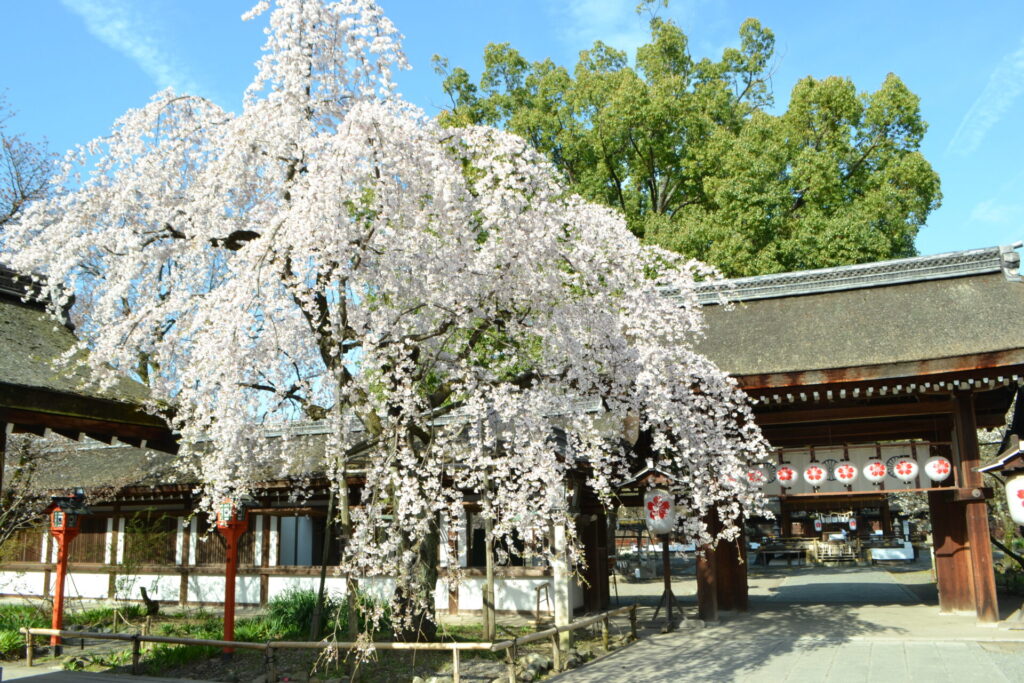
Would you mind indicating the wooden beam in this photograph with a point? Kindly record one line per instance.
(931, 429)
(854, 412)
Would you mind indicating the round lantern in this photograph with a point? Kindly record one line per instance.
(660, 510)
(905, 470)
(938, 468)
(846, 473)
(786, 476)
(757, 477)
(815, 475)
(817, 525)
(853, 523)
(1015, 498)
(874, 471)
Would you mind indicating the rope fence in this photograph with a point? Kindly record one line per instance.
(510, 646)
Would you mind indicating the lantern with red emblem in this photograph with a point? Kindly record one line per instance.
(905, 469)
(815, 475)
(786, 476)
(846, 473)
(938, 468)
(874, 471)
(660, 511)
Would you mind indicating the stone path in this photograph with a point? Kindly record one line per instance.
(836, 625)
(40, 674)
(849, 586)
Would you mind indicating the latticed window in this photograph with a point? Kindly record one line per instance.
(150, 538)
(90, 546)
(25, 546)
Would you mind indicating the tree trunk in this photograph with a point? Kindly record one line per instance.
(417, 614)
(315, 622)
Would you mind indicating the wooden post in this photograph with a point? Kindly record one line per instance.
(604, 630)
(30, 649)
(230, 573)
(57, 620)
(666, 570)
(976, 512)
(456, 678)
(136, 655)
(556, 653)
(632, 620)
(270, 662)
(510, 665)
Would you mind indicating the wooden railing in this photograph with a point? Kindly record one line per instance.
(510, 647)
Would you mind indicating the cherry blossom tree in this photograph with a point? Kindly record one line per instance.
(434, 295)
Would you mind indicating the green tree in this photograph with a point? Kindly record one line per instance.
(689, 152)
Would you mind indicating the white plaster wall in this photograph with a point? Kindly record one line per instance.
(93, 586)
(22, 583)
(158, 587)
(281, 584)
(509, 594)
(575, 594)
(377, 587)
(211, 589)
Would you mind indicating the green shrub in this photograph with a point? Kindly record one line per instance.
(15, 616)
(11, 644)
(290, 613)
(163, 658)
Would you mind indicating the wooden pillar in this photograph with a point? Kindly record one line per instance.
(886, 517)
(731, 588)
(953, 572)
(786, 525)
(975, 512)
(562, 579)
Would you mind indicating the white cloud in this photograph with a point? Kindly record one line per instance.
(991, 211)
(122, 27)
(1005, 85)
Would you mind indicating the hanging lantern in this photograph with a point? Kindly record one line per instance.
(905, 470)
(661, 511)
(1015, 498)
(817, 525)
(874, 471)
(938, 468)
(853, 523)
(846, 473)
(757, 477)
(786, 476)
(815, 475)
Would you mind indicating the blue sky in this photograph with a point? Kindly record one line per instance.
(70, 67)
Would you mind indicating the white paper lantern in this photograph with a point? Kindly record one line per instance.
(874, 471)
(938, 468)
(757, 477)
(905, 470)
(846, 473)
(815, 475)
(1015, 497)
(786, 476)
(853, 523)
(817, 525)
(660, 510)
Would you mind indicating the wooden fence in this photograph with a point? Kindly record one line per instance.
(510, 647)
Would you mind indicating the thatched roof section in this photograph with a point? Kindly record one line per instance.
(909, 310)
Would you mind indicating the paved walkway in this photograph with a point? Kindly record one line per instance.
(43, 674)
(819, 624)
